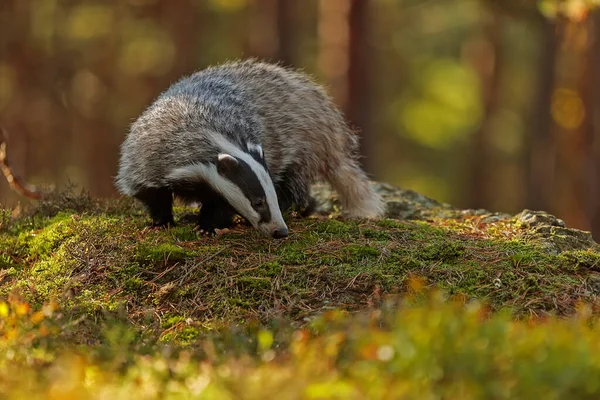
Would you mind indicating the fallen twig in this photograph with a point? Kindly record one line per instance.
(14, 181)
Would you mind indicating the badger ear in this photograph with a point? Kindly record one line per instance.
(226, 164)
(256, 148)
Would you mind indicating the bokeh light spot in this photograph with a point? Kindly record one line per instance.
(90, 22)
(568, 110)
(147, 55)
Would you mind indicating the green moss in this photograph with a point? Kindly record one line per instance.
(333, 227)
(375, 234)
(6, 261)
(51, 277)
(128, 277)
(443, 250)
(152, 253)
(171, 321)
(580, 259)
(251, 283)
(44, 242)
(270, 269)
(294, 254)
(391, 223)
(356, 253)
(183, 233)
(184, 336)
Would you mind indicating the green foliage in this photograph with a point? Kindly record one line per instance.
(424, 345)
(442, 107)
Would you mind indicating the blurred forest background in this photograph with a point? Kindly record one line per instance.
(480, 103)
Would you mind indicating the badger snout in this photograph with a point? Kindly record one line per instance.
(280, 233)
(275, 231)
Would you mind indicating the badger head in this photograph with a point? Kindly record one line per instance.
(243, 180)
(249, 189)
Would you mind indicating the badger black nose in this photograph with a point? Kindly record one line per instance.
(280, 233)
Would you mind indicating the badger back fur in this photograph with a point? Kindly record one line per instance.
(263, 114)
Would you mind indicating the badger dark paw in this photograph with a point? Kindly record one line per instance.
(162, 224)
(207, 232)
(212, 218)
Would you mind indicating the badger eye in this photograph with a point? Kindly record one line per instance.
(258, 203)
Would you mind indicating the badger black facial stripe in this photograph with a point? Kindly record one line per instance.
(245, 178)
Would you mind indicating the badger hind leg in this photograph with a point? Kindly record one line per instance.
(310, 208)
(357, 197)
(159, 204)
(293, 192)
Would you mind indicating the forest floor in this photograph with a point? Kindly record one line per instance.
(431, 302)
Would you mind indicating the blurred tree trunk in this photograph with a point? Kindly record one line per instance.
(286, 29)
(595, 109)
(185, 23)
(58, 76)
(332, 56)
(541, 147)
(17, 55)
(344, 61)
(360, 65)
(263, 40)
(586, 179)
(101, 155)
(272, 30)
(487, 60)
(572, 112)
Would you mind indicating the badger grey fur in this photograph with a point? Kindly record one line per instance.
(257, 112)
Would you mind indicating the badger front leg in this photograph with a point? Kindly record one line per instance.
(159, 203)
(215, 213)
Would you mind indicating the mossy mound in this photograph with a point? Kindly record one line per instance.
(94, 304)
(94, 257)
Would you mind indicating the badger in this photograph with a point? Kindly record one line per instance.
(244, 137)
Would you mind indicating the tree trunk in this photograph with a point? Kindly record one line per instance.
(542, 152)
(585, 182)
(595, 125)
(359, 72)
(481, 157)
(263, 35)
(332, 57)
(286, 11)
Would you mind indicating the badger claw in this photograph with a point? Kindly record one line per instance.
(205, 232)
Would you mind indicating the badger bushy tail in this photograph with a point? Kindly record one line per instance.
(356, 195)
(357, 198)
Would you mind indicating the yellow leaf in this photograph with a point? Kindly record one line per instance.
(3, 309)
(22, 308)
(265, 340)
(37, 317)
